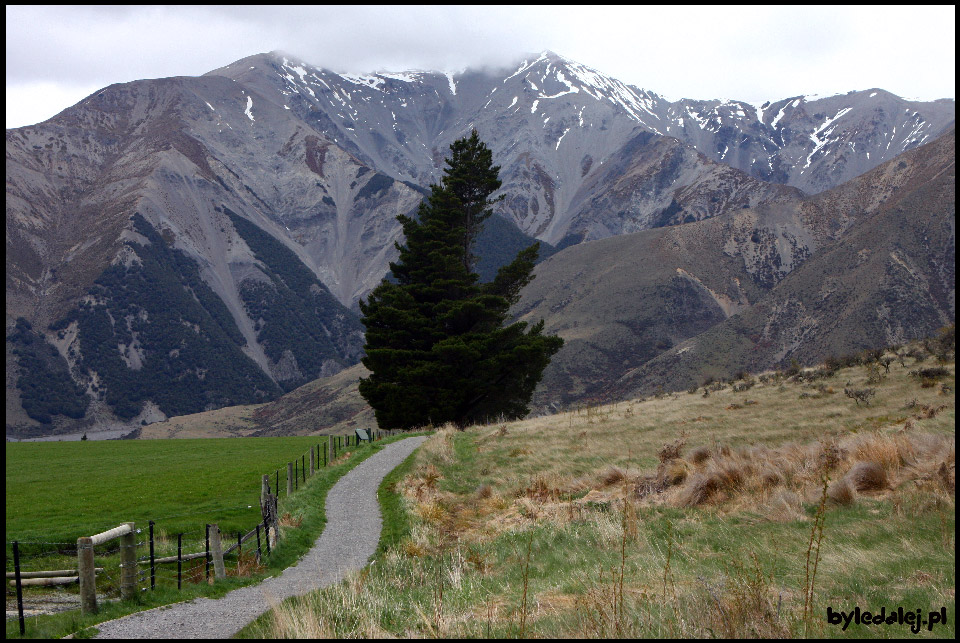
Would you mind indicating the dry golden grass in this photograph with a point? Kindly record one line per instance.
(727, 471)
(767, 457)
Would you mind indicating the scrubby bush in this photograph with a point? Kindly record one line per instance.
(860, 395)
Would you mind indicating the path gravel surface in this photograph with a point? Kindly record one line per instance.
(347, 542)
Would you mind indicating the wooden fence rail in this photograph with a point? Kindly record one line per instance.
(53, 573)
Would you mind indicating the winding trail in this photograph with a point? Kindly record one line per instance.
(347, 542)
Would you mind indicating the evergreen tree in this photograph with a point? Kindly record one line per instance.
(437, 347)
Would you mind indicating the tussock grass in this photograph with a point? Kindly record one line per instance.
(674, 517)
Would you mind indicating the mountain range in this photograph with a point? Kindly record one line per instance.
(182, 244)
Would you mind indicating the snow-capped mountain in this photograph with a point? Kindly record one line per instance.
(255, 205)
(553, 122)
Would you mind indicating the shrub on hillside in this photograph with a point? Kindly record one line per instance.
(860, 394)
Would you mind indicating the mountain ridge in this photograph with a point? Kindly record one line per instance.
(321, 163)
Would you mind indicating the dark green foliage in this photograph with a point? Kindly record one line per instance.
(471, 178)
(499, 242)
(161, 308)
(374, 186)
(46, 388)
(933, 373)
(437, 347)
(668, 216)
(295, 311)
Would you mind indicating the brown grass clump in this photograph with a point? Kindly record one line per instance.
(413, 549)
(542, 491)
(614, 475)
(868, 476)
(744, 477)
(247, 565)
(731, 474)
(841, 492)
(430, 475)
(889, 452)
(484, 491)
(286, 520)
(700, 489)
(699, 455)
(770, 477)
(675, 472)
(947, 476)
(430, 512)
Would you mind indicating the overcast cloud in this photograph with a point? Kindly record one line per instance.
(58, 55)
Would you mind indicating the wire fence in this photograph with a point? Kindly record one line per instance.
(53, 572)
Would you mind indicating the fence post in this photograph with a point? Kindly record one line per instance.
(330, 448)
(266, 533)
(217, 552)
(153, 564)
(87, 575)
(179, 560)
(206, 560)
(311, 461)
(16, 571)
(296, 474)
(128, 563)
(289, 478)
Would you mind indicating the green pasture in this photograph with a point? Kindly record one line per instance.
(59, 491)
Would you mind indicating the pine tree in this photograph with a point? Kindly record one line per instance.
(437, 347)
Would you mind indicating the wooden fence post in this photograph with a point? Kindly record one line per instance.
(128, 563)
(216, 550)
(330, 448)
(311, 461)
(87, 574)
(289, 478)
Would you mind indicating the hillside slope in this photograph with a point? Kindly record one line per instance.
(863, 265)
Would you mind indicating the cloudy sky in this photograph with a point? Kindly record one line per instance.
(57, 55)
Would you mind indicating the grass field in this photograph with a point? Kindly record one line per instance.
(746, 510)
(59, 491)
(302, 520)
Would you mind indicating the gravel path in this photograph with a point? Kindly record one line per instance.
(347, 542)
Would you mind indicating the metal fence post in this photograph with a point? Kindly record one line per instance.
(206, 567)
(153, 564)
(179, 560)
(16, 572)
